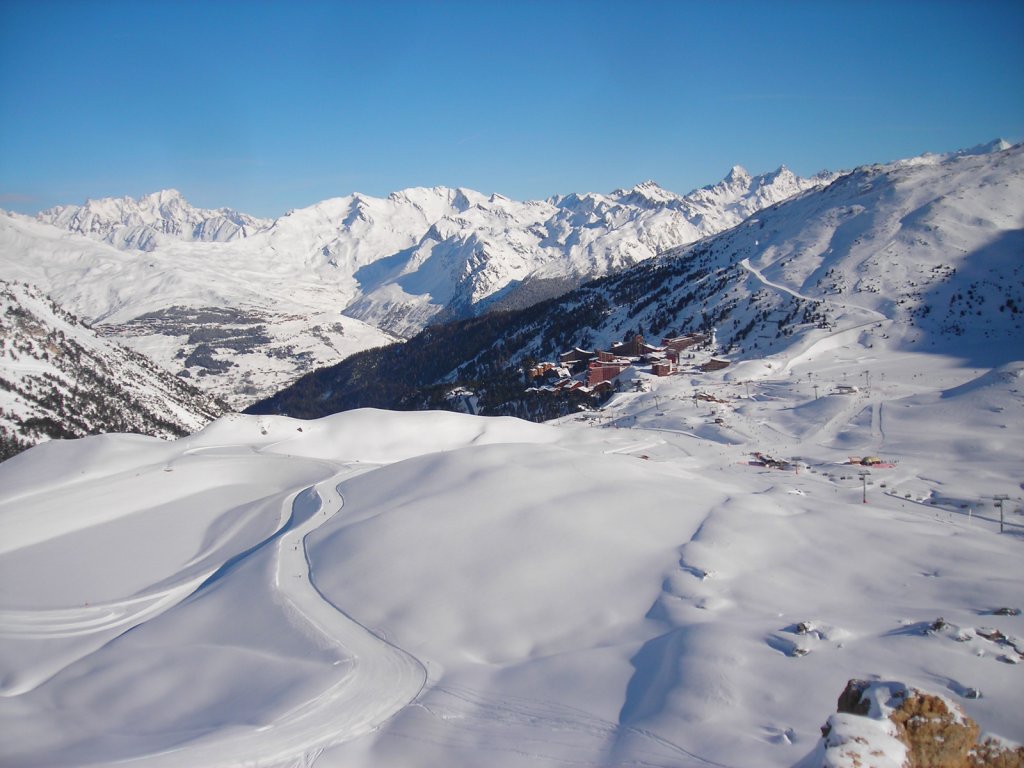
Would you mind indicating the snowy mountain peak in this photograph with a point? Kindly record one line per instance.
(464, 199)
(163, 197)
(416, 195)
(737, 175)
(988, 148)
(782, 172)
(435, 201)
(647, 190)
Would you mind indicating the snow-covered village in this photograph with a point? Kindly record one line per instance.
(592, 371)
(364, 403)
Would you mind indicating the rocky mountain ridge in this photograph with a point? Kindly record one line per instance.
(58, 379)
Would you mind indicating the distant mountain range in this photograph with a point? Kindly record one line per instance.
(921, 254)
(244, 306)
(144, 223)
(923, 251)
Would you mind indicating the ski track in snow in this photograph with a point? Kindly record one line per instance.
(535, 728)
(832, 339)
(379, 678)
(745, 263)
(877, 433)
(89, 619)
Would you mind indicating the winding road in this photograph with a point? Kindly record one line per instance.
(745, 263)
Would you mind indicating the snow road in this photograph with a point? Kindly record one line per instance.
(745, 263)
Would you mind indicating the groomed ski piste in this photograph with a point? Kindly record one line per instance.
(624, 587)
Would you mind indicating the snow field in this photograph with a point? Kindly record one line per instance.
(424, 589)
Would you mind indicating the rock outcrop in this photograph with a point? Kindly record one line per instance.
(890, 725)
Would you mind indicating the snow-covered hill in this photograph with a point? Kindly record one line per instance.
(58, 379)
(923, 251)
(421, 589)
(307, 278)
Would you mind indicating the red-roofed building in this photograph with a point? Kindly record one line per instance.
(599, 371)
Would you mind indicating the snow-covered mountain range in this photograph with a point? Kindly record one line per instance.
(58, 379)
(145, 223)
(245, 317)
(347, 273)
(917, 254)
(495, 251)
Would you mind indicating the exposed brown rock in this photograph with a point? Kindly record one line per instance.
(935, 736)
(991, 754)
(935, 733)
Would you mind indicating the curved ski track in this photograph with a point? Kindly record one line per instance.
(374, 679)
(378, 678)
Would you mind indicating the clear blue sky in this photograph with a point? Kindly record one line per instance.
(267, 106)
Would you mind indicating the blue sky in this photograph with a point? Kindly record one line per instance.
(265, 106)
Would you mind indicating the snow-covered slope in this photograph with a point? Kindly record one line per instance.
(424, 589)
(58, 379)
(924, 251)
(145, 223)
